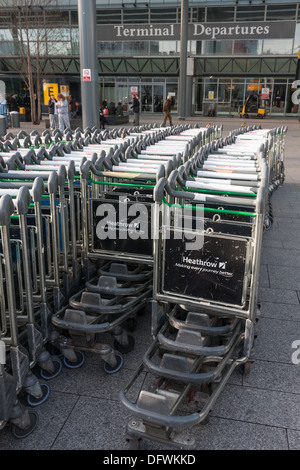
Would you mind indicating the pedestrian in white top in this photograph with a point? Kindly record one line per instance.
(62, 107)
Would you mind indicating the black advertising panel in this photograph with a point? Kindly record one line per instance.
(121, 225)
(211, 269)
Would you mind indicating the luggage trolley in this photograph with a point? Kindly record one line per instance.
(206, 299)
(123, 284)
(22, 342)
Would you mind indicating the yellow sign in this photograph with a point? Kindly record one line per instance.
(254, 87)
(64, 89)
(211, 95)
(49, 89)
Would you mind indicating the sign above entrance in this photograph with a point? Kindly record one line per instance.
(198, 31)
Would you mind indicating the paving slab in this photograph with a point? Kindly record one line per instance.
(260, 406)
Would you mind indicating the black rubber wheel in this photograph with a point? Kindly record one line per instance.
(111, 370)
(57, 369)
(75, 365)
(19, 433)
(33, 401)
(125, 349)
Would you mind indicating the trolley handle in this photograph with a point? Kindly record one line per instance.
(61, 175)
(38, 189)
(32, 157)
(71, 170)
(15, 161)
(2, 164)
(23, 200)
(7, 208)
(52, 182)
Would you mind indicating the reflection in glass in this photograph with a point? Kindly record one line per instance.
(59, 48)
(250, 13)
(164, 48)
(278, 46)
(297, 39)
(109, 48)
(222, 14)
(251, 46)
(217, 47)
(281, 12)
(135, 48)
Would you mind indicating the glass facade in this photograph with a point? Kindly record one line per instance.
(222, 66)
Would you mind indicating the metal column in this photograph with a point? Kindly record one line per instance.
(88, 63)
(183, 58)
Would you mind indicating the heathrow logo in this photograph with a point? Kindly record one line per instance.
(123, 220)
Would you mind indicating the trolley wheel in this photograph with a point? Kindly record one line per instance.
(33, 401)
(125, 349)
(19, 433)
(75, 365)
(57, 369)
(109, 369)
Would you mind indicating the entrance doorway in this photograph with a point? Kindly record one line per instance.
(151, 95)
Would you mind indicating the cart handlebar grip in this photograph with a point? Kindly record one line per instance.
(38, 189)
(61, 175)
(85, 168)
(23, 200)
(2, 163)
(158, 191)
(71, 170)
(6, 209)
(32, 157)
(161, 171)
(99, 163)
(15, 159)
(41, 154)
(52, 182)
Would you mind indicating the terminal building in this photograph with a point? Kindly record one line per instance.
(235, 48)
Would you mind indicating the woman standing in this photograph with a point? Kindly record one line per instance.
(62, 107)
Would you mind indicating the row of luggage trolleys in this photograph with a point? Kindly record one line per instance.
(45, 191)
(205, 303)
(77, 262)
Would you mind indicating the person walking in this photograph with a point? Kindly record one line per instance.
(119, 109)
(136, 109)
(102, 117)
(167, 111)
(63, 112)
(52, 111)
(72, 107)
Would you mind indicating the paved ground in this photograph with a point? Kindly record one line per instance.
(260, 411)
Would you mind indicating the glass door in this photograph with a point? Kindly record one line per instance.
(158, 98)
(151, 96)
(122, 96)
